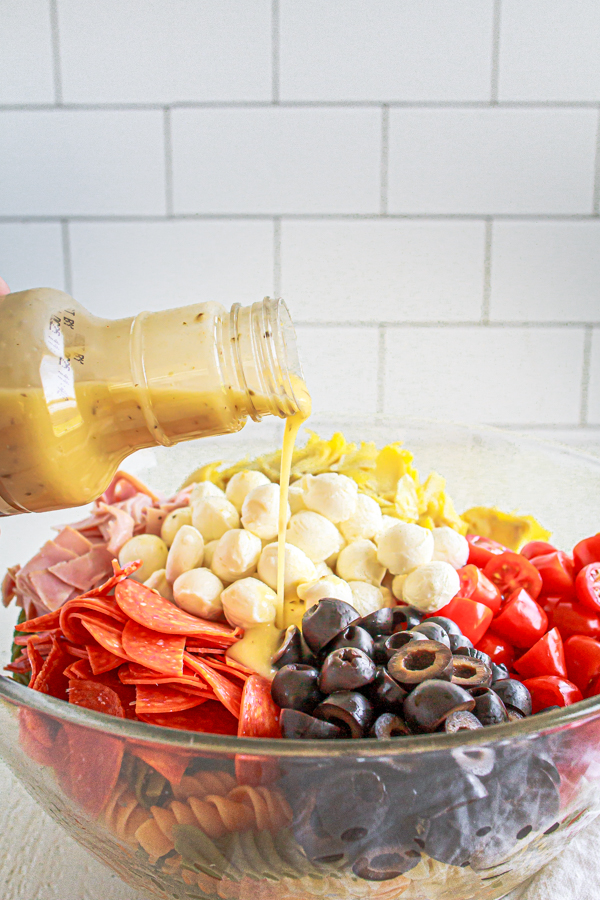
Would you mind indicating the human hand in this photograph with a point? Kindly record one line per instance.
(4, 288)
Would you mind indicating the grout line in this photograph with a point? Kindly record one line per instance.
(277, 257)
(275, 48)
(385, 155)
(55, 38)
(309, 104)
(381, 356)
(487, 274)
(585, 376)
(495, 52)
(168, 150)
(596, 201)
(317, 217)
(66, 249)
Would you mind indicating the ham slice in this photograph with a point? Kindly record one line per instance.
(117, 529)
(86, 571)
(73, 540)
(125, 485)
(51, 590)
(154, 519)
(9, 585)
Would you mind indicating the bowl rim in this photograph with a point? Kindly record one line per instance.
(17, 695)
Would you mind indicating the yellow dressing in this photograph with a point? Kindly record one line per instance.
(255, 650)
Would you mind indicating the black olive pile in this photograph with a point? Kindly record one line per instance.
(388, 674)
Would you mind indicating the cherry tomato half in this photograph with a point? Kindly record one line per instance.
(593, 688)
(482, 549)
(472, 618)
(586, 551)
(522, 621)
(474, 584)
(551, 690)
(510, 572)
(497, 648)
(571, 618)
(557, 573)
(582, 655)
(587, 587)
(547, 657)
(536, 548)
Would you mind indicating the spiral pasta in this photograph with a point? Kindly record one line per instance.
(271, 809)
(200, 784)
(123, 815)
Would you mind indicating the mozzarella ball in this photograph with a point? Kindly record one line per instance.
(236, 554)
(388, 597)
(365, 522)
(387, 522)
(404, 546)
(209, 552)
(173, 523)
(296, 497)
(397, 586)
(213, 516)
(323, 569)
(152, 551)
(450, 546)
(358, 562)
(187, 552)
(314, 534)
(240, 485)
(249, 602)
(204, 489)
(198, 591)
(333, 496)
(260, 511)
(329, 586)
(431, 586)
(366, 598)
(298, 567)
(158, 582)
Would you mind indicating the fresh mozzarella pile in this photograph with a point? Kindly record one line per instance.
(217, 557)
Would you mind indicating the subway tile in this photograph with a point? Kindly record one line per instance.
(545, 271)
(31, 255)
(276, 160)
(76, 162)
(484, 374)
(492, 160)
(377, 50)
(122, 267)
(594, 385)
(159, 52)
(383, 270)
(26, 52)
(549, 50)
(340, 368)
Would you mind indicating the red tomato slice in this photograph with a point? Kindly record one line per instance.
(497, 648)
(522, 621)
(582, 654)
(556, 569)
(475, 585)
(472, 618)
(587, 587)
(482, 549)
(536, 548)
(570, 618)
(547, 657)
(550, 690)
(586, 551)
(510, 572)
(593, 688)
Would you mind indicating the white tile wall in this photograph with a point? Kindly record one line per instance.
(276, 160)
(26, 74)
(594, 389)
(122, 267)
(31, 255)
(492, 160)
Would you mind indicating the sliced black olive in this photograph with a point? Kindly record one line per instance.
(296, 687)
(308, 657)
(290, 649)
(472, 653)
(514, 715)
(546, 709)
(461, 720)
(324, 621)
(346, 670)
(379, 623)
(420, 661)
(478, 761)
(460, 641)
(298, 725)
(388, 726)
(514, 694)
(349, 710)
(385, 860)
(432, 632)
(352, 804)
(499, 672)
(489, 708)
(406, 617)
(470, 673)
(385, 693)
(447, 624)
(352, 636)
(385, 648)
(432, 701)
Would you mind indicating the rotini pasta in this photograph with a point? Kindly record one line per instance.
(271, 809)
(123, 815)
(200, 784)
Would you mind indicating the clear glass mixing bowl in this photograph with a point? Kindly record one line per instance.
(461, 816)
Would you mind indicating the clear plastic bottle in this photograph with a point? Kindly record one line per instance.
(78, 393)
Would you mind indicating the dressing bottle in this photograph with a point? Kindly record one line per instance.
(79, 393)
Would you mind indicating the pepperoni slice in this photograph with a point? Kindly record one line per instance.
(36, 659)
(79, 669)
(102, 660)
(97, 697)
(259, 716)
(162, 699)
(107, 635)
(228, 693)
(91, 766)
(165, 762)
(210, 718)
(149, 609)
(50, 679)
(162, 653)
(48, 622)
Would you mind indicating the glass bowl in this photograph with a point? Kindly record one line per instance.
(185, 815)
